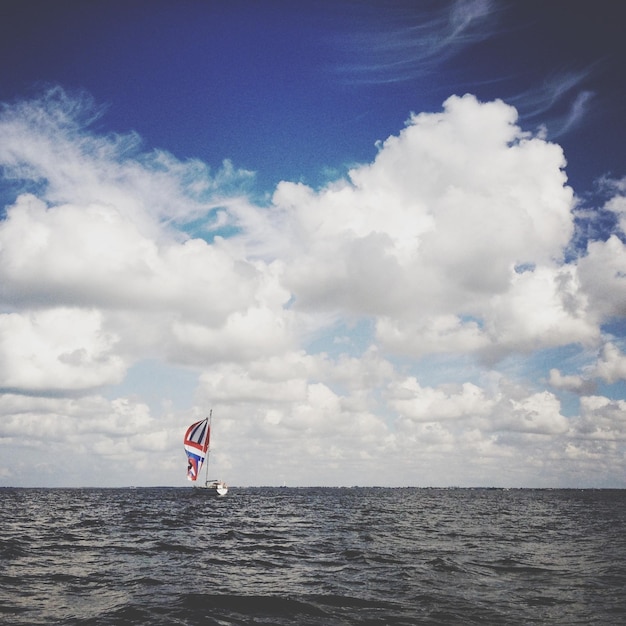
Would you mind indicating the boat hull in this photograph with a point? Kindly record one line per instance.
(215, 487)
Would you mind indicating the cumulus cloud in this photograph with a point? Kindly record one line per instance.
(82, 441)
(57, 350)
(431, 236)
(611, 366)
(601, 419)
(539, 413)
(602, 273)
(571, 382)
(348, 334)
(617, 202)
(432, 405)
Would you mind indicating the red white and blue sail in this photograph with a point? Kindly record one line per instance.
(196, 446)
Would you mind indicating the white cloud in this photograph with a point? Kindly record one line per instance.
(559, 104)
(57, 349)
(404, 45)
(603, 276)
(571, 382)
(85, 441)
(617, 202)
(428, 237)
(95, 255)
(611, 365)
(311, 328)
(46, 142)
(539, 413)
(427, 335)
(542, 308)
(601, 419)
(432, 405)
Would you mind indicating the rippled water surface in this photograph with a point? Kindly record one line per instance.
(312, 556)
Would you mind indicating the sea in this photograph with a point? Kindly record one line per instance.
(312, 556)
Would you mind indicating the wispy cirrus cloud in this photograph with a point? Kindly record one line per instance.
(47, 146)
(559, 104)
(409, 42)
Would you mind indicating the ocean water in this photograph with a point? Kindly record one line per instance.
(312, 556)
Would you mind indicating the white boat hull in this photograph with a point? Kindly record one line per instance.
(216, 487)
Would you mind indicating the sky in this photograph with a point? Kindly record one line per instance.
(384, 242)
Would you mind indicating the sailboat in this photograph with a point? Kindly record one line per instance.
(197, 449)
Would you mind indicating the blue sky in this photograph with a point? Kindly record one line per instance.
(383, 241)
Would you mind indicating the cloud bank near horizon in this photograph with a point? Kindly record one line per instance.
(421, 321)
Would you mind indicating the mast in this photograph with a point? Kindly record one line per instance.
(206, 478)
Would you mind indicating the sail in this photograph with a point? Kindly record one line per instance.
(196, 446)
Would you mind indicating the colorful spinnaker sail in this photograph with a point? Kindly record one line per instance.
(196, 446)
